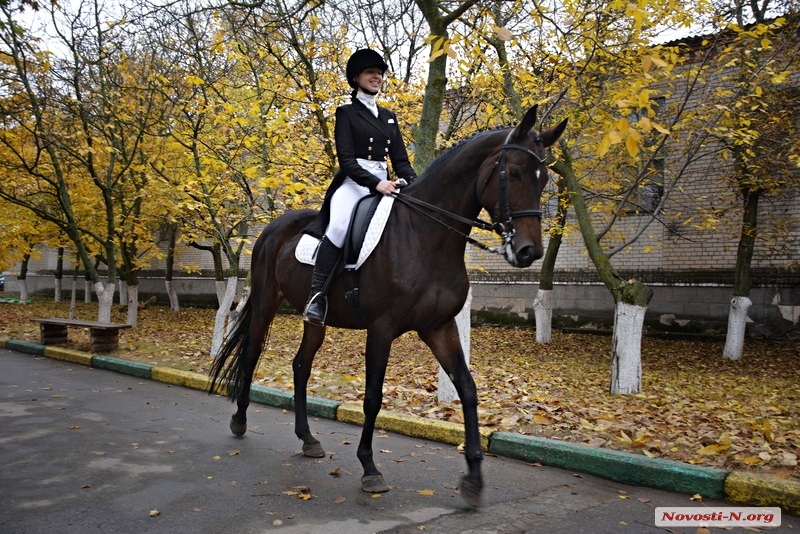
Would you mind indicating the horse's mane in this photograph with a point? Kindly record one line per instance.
(447, 156)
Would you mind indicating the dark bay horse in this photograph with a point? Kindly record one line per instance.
(414, 280)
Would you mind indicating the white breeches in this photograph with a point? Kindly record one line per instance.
(344, 200)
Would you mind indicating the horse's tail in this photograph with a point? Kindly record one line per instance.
(232, 374)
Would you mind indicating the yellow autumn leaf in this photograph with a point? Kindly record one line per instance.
(632, 144)
(426, 492)
(541, 420)
(713, 449)
(604, 145)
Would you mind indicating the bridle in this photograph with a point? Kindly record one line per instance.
(505, 225)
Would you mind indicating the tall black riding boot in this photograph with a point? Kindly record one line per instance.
(328, 256)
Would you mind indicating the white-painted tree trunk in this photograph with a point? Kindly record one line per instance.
(87, 291)
(73, 300)
(221, 286)
(238, 310)
(223, 312)
(23, 289)
(105, 298)
(58, 289)
(626, 357)
(123, 293)
(447, 391)
(174, 303)
(737, 326)
(543, 315)
(132, 293)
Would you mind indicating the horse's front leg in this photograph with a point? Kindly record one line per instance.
(313, 336)
(446, 346)
(377, 356)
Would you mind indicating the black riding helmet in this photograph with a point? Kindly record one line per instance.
(362, 60)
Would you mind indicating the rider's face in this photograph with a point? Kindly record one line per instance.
(370, 79)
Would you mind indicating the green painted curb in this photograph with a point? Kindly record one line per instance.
(268, 396)
(620, 466)
(760, 490)
(279, 398)
(412, 425)
(140, 370)
(24, 346)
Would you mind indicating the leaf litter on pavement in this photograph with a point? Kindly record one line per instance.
(695, 407)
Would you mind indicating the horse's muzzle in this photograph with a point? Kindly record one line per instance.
(527, 255)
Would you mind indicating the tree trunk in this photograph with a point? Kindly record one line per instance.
(87, 290)
(223, 312)
(428, 126)
(737, 326)
(543, 303)
(221, 287)
(437, 18)
(174, 304)
(543, 315)
(59, 276)
(742, 277)
(630, 296)
(123, 293)
(22, 279)
(74, 297)
(133, 304)
(626, 366)
(105, 298)
(447, 391)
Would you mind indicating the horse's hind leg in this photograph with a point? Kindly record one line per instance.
(255, 322)
(313, 337)
(247, 367)
(446, 346)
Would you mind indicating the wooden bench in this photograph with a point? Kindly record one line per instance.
(104, 336)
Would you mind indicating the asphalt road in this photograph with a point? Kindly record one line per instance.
(90, 450)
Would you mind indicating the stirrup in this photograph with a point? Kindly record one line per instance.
(317, 319)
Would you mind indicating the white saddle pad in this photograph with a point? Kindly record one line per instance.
(307, 247)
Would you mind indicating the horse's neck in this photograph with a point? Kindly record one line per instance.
(452, 187)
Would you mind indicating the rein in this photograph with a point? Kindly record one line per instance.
(505, 228)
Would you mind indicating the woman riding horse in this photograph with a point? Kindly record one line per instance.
(365, 134)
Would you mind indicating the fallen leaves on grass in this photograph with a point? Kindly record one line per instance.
(696, 406)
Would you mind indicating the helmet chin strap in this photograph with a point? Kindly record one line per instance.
(367, 91)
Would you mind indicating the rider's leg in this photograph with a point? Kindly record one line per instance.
(330, 249)
(328, 256)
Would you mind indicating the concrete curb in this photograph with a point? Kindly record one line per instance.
(736, 487)
(620, 466)
(760, 490)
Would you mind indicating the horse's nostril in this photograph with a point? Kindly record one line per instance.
(528, 255)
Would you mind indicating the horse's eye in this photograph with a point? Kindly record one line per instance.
(515, 175)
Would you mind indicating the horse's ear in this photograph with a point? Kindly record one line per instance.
(527, 123)
(549, 137)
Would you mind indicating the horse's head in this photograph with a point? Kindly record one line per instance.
(516, 175)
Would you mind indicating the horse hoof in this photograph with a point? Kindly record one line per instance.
(237, 428)
(471, 493)
(313, 450)
(373, 484)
